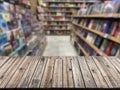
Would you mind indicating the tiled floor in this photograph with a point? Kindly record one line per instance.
(59, 46)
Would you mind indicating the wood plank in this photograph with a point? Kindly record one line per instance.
(114, 63)
(7, 65)
(5, 77)
(13, 83)
(67, 73)
(25, 80)
(3, 60)
(48, 74)
(57, 75)
(100, 81)
(87, 76)
(105, 73)
(106, 67)
(78, 79)
(113, 70)
(117, 59)
(38, 74)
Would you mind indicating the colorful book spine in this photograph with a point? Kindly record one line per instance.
(98, 41)
(114, 50)
(108, 50)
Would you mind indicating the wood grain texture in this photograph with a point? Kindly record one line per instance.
(87, 76)
(38, 74)
(106, 67)
(100, 81)
(78, 79)
(59, 72)
(19, 73)
(67, 73)
(48, 73)
(57, 75)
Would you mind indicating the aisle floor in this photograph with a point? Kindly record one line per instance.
(59, 46)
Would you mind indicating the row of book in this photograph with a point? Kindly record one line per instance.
(56, 32)
(59, 27)
(106, 26)
(12, 32)
(90, 51)
(59, 13)
(63, 9)
(57, 18)
(108, 47)
(68, 0)
(64, 5)
(110, 6)
(16, 30)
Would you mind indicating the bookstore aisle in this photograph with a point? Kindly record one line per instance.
(59, 46)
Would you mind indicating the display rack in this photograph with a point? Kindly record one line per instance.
(97, 31)
(17, 27)
(59, 15)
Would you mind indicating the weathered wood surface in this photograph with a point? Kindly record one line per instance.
(59, 72)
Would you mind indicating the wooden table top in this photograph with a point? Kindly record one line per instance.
(59, 72)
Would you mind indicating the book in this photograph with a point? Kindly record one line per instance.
(97, 8)
(106, 27)
(115, 28)
(85, 22)
(3, 25)
(98, 41)
(109, 48)
(101, 24)
(91, 37)
(117, 32)
(91, 24)
(109, 30)
(111, 7)
(8, 49)
(114, 50)
(118, 10)
(89, 51)
(104, 45)
(82, 11)
(89, 10)
(97, 25)
(3, 39)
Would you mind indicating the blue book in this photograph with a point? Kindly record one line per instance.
(98, 41)
(3, 39)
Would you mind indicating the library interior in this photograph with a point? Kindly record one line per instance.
(59, 43)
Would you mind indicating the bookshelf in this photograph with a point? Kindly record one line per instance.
(19, 32)
(59, 15)
(98, 16)
(82, 49)
(91, 45)
(107, 36)
(97, 30)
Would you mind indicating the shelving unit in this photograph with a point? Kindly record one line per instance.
(61, 12)
(104, 35)
(95, 32)
(17, 37)
(91, 45)
(98, 16)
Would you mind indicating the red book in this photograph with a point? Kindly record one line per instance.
(108, 51)
(91, 24)
(117, 33)
(115, 28)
